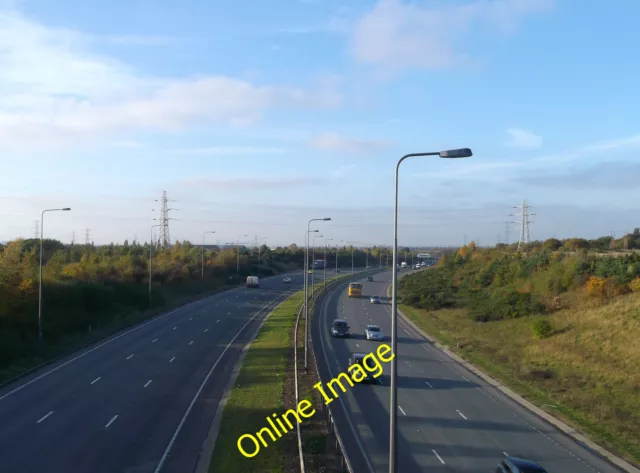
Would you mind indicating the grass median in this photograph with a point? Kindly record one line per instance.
(259, 392)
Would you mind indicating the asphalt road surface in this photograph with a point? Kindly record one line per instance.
(141, 401)
(448, 418)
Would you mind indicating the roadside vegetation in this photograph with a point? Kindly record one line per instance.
(265, 386)
(92, 291)
(558, 322)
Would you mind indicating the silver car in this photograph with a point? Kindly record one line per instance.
(375, 300)
(372, 332)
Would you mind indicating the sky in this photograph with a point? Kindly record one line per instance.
(257, 116)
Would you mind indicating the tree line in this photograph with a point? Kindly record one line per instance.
(91, 290)
(499, 283)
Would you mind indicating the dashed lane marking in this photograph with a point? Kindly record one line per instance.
(148, 383)
(113, 419)
(130, 356)
(461, 414)
(96, 380)
(44, 417)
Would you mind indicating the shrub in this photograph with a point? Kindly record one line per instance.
(541, 328)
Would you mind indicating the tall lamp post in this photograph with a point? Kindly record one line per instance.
(150, 247)
(203, 234)
(306, 292)
(238, 255)
(351, 243)
(325, 261)
(393, 403)
(313, 259)
(66, 209)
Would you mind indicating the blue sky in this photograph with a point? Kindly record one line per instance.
(256, 116)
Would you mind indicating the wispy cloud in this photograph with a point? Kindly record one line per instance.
(252, 183)
(140, 40)
(225, 150)
(344, 171)
(127, 144)
(523, 139)
(610, 175)
(337, 142)
(400, 35)
(54, 87)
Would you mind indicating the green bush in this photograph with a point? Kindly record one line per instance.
(541, 328)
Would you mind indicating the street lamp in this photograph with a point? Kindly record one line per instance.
(306, 292)
(313, 259)
(66, 209)
(238, 256)
(393, 404)
(203, 234)
(324, 284)
(150, 247)
(351, 243)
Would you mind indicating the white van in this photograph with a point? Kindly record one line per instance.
(252, 281)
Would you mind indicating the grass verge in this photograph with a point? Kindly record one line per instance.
(265, 385)
(586, 373)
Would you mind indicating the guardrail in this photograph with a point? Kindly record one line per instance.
(345, 465)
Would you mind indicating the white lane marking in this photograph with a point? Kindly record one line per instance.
(172, 359)
(175, 328)
(216, 305)
(229, 313)
(408, 364)
(134, 329)
(190, 318)
(43, 418)
(206, 379)
(154, 340)
(206, 329)
(130, 356)
(96, 380)
(402, 410)
(217, 321)
(439, 458)
(191, 342)
(505, 454)
(356, 343)
(429, 384)
(148, 383)
(113, 419)
(463, 377)
(461, 414)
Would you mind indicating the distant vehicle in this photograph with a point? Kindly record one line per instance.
(519, 465)
(311, 271)
(319, 264)
(337, 270)
(358, 358)
(340, 328)
(372, 332)
(369, 278)
(252, 281)
(403, 264)
(286, 279)
(355, 289)
(375, 299)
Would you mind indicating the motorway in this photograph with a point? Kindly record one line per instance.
(448, 418)
(141, 401)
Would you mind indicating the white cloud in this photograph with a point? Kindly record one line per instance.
(399, 35)
(336, 142)
(344, 171)
(523, 139)
(53, 88)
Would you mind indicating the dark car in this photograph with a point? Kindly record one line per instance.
(519, 465)
(358, 358)
(340, 328)
(369, 278)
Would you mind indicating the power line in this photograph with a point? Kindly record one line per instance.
(164, 239)
(87, 237)
(36, 232)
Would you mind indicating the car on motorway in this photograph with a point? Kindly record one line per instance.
(519, 465)
(358, 358)
(375, 299)
(337, 270)
(369, 278)
(373, 332)
(340, 328)
(286, 279)
(252, 281)
(311, 271)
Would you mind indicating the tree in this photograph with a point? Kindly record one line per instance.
(552, 244)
